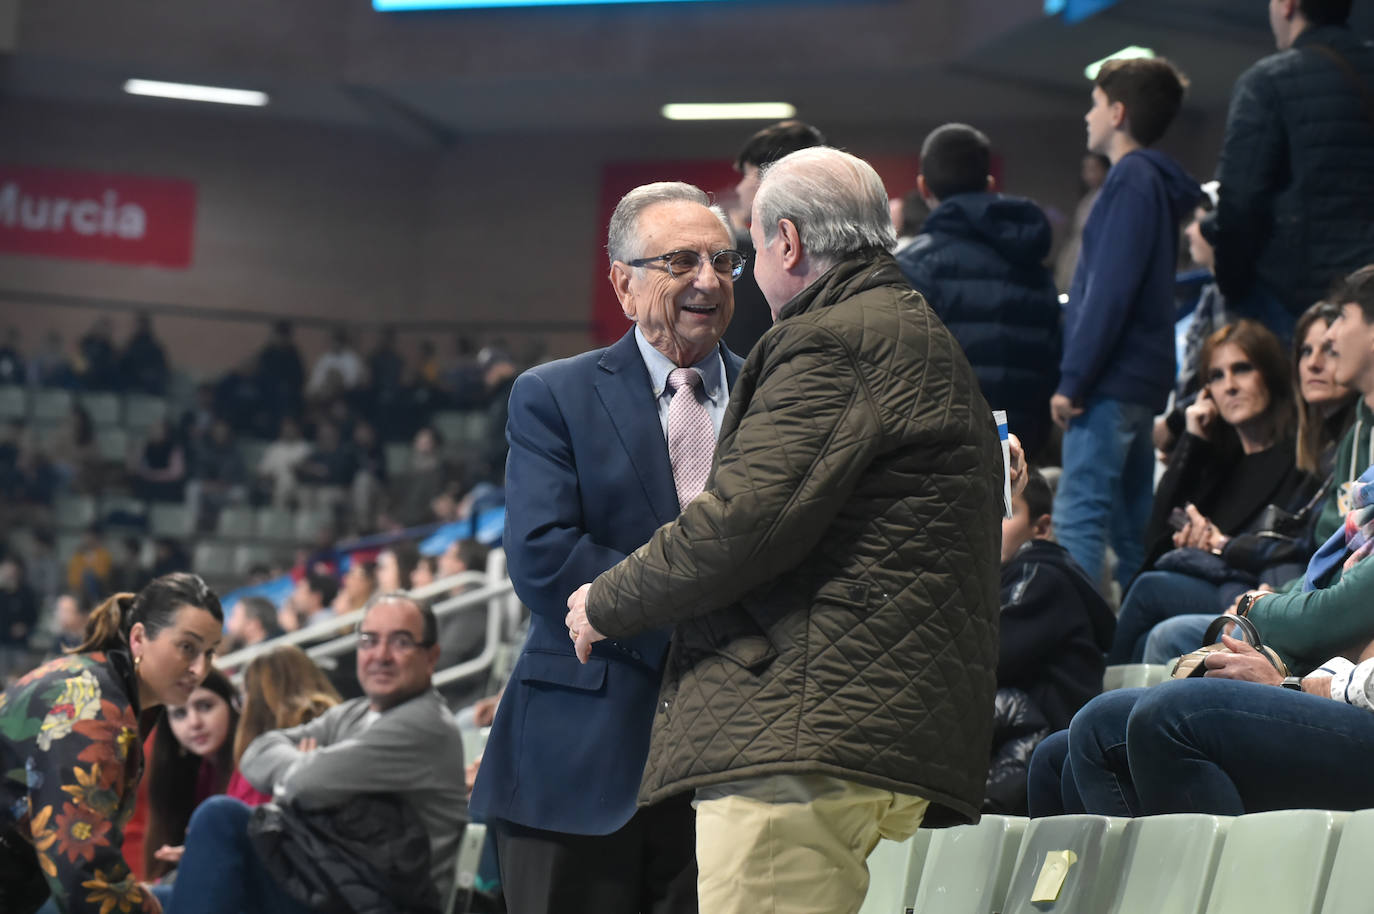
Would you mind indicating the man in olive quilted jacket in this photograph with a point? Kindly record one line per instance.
(834, 588)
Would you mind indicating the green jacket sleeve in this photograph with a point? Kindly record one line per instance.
(1308, 627)
(807, 436)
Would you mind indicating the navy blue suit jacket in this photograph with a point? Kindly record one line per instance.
(587, 482)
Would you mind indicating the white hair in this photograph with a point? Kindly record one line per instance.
(836, 201)
(622, 237)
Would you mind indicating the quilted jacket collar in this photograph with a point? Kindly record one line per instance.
(846, 279)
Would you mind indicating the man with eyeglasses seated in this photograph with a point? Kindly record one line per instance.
(398, 740)
(604, 448)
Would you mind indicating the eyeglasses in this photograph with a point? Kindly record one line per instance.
(399, 642)
(728, 264)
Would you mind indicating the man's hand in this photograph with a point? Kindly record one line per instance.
(1240, 662)
(484, 710)
(579, 629)
(1062, 411)
(1019, 476)
(168, 854)
(1262, 590)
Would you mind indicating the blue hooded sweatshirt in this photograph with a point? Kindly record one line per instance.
(1119, 322)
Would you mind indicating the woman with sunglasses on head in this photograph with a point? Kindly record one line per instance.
(71, 753)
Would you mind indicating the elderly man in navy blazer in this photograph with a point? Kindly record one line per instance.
(605, 447)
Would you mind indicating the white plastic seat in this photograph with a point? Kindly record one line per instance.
(113, 444)
(142, 410)
(236, 521)
(75, 512)
(1091, 880)
(894, 873)
(51, 406)
(274, 524)
(14, 402)
(465, 867)
(1168, 863)
(104, 409)
(169, 520)
(1351, 884)
(214, 560)
(1277, 861)
(969, 867)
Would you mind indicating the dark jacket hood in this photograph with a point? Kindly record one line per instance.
(1100, 615)
(1014, 227)
(1182, 189)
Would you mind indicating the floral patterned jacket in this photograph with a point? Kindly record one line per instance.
(70, 763)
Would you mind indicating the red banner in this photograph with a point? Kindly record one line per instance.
(92, 216)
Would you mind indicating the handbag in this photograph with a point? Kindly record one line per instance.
(1191, 665)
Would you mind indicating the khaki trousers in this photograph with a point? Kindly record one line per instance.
(794, 845)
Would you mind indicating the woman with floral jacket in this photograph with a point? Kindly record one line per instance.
(70, 752)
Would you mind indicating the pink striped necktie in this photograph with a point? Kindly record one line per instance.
(691, 435)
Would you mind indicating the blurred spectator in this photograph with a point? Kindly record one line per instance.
(463, 375)
(909, 215)
(279, 370)
(498, 374)
(328, 472)
(463, 634)
(98, 368)
(143, 364)
(88, 570)
(159, 473)
(337, 371)
(370, 476)
(413, 492)
(169, 556)
(978, 262)
(197, 421)
(51, 367)
(253, 621)
(281, 458)
(310, 602)
(395, 566)
(218, 477)
(359, 584)
(282, 688)
(45, 571)
(424, 573)
(26, 474)
(385, 365)
(127, 574)
(74, 455)
(192, 760)
(12, 369)
(18, 615)
(1092, 172)
(70, 616)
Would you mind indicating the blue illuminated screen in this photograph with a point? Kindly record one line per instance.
(394, 5)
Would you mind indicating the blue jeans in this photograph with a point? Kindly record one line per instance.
(1050, 790)
(1154, 597)
(1107, 486)
(1176, 637)
(220, 872)
(1220, 747)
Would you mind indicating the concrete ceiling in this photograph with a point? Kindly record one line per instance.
(433, 77)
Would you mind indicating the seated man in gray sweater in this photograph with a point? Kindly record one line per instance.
(400, 740)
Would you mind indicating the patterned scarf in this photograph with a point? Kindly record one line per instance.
(1353, 541)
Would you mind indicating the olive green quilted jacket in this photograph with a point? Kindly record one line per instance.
(835, 587)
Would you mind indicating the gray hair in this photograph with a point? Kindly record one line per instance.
(836, 201)
(429, 632)
(622, 238)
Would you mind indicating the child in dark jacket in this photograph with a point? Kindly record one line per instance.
(1055, 627)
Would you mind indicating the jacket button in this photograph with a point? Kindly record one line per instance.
(663, 707)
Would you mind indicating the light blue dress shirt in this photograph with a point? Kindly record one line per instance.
(713, 393)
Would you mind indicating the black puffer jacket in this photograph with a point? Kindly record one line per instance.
(1297, 173)
(367, 856)
(835, 584)
(980, 263)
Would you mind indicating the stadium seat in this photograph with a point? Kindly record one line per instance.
(1135, 675)
(214, 560)
(104, 409)
(465, 868)
(450, 425)
(121, 505)
(474, 427)
(308, 524)
(14, 402)
(142, 410)
(75, 512)
(1168, 863)
(51, 406)
(236, 521)
(274, 524)
(397, 458)
(169, 520)
(113, 444)
(246, 556)
(1088, 882)
(968, 868)
(1351, 886)
(1277, 861)
(251, 450)
(894, 872)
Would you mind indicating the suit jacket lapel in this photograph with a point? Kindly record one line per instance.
(624, 388)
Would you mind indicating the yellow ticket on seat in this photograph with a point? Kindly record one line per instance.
(1053, 872)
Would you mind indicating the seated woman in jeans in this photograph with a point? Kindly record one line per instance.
(1236, 741)
(1238, 457)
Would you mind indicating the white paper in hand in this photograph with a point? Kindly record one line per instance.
(1000, 417)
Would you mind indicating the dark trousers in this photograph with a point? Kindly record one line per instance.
(648, 866)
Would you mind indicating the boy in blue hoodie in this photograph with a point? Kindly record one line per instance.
(1118, 360)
